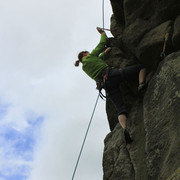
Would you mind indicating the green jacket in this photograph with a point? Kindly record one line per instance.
(93, 63)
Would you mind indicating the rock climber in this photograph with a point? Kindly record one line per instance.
(96, 68)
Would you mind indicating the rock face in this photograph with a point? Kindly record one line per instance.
(142, 30)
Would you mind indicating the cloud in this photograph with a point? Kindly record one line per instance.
(16, 149)
(45, 102)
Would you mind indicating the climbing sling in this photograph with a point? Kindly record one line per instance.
(101, 82)
(164, 45)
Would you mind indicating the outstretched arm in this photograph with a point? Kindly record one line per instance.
(100, 30)
(100, 47)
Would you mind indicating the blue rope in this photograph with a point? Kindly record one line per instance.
(92, 112)
(85, 138)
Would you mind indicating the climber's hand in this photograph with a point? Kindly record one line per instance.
(108, 49)
(100, 30)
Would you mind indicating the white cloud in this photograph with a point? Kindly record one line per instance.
(39, 44)
(13, 159)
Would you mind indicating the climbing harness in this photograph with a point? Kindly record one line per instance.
(85, 137)
(164, 46)
(101, 82)
(99, 86)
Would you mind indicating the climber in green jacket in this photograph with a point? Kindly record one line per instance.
(95, 67)
(93, 63)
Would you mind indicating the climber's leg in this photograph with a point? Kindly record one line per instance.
(142, 76)
(122, 120)
(127, 137)
(114, 93)
(135, 73)
(131, 73)
(117, 99)
(118, 102)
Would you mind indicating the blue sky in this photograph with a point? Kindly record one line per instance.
(17, 146)
(45, 102)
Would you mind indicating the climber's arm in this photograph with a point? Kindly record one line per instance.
(100, 47)
(106, 51)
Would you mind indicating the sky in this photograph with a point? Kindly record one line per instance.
(45, 102)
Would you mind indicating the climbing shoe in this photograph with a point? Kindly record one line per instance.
(127, 137)
(142, 87)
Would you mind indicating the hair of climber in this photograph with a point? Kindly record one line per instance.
(80, 56)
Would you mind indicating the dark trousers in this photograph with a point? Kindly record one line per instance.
(115, 78)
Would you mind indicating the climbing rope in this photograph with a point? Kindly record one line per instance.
(92, 112)
(103, 13)
(85, 138)
(106, 29)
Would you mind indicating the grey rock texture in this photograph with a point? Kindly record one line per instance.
(139, 29)
(176, 34)
(162, 119)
